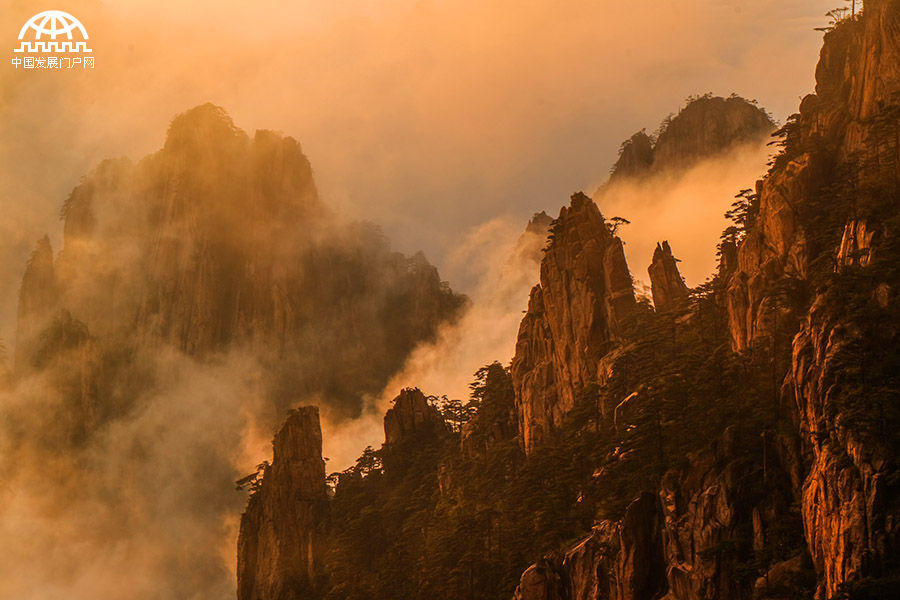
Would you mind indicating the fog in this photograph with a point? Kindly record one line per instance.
(685, 207)
(147, 510)
(427, 117)
(446, 123)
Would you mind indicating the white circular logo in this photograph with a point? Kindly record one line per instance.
(53, 23)
(50, 37)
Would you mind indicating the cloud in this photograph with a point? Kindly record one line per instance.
(505, 262)
(141, 509)
(427, 117)
(684, 207)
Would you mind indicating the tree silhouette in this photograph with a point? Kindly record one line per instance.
(614, 223)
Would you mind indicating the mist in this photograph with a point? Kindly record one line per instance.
(145, 510)
(428, 118)
(685, 207)
(198, 295)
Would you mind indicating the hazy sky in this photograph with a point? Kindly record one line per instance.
(442, 121)
(428, 117)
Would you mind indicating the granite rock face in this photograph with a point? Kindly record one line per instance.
(709, 126)
(279, 548)
(857, 79)
(541, 581)
(685, 541)
(848, 518)
(411, 415)
(620, 560)
(857, 244)
(849, 514)
(716, 514)
(635, 157)
(575, 316)
(668, 288)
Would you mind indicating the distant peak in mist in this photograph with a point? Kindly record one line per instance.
(539, 223)
(677, 182)
(203, 121)
(707, 126)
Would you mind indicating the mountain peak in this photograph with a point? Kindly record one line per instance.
(668, 288)
(705, 127)
(202, 126)
(410, 415)
(539, 223)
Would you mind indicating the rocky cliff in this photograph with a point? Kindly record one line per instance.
(726, 510)
(274, 561)
(575, 316)
(619, 560)
(708, 126)
(694, 538)
(668, 288)
(411, 415)
(841, 136)
(635, 157)
(846, 127)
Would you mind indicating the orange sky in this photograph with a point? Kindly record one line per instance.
(434, 119)
(427, 117)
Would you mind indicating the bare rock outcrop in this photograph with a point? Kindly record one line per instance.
(692, 538)
(541, 581)
(848, 518)
(590, 565)
(279, 550)
(707, 126)
(668, 288)
(620, 560)
(856, 244)
(849, 514)
(539, 223)
(575, 316)
(411, 415)
(635, 157)
(721, 511)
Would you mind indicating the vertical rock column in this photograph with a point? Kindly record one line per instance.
(669, 289)
(278, 546)
(574, 318)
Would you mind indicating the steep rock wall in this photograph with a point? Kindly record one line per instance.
(278, 547)
(575, 316)
(666, 284)
(857, 80)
